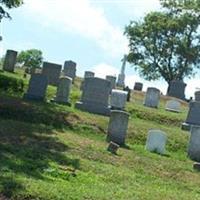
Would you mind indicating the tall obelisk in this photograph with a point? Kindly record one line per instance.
(121, 76)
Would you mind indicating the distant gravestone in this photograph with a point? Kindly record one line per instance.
(128, 90)
(152, 97)
(95, 96)
(194, 144)
(63, 90)
(197, 95)
(118, 99)
(156, 141)
(177, 89)
(10, 61)
(173, 106)
(138, 86)
(89, 74)
(37, 87)
(112, 80)
(113, 147)
(117, 128)
(70, 69)
(52, 71)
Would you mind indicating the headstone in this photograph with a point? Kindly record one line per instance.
(10, 61)
(156, 141)
(113, 147)
(118, 99)
(63, 90)
(197, 95)
(112, 80)
(52, 71)
(196, 166)
(194, 144)
(117, 128)
(152, 97)
(37, 87)
(121, 76)
(173, 106)
(95, 96)
(177, 89)
(138, 86)
(89, 74)
(70, 69)
(128, 90)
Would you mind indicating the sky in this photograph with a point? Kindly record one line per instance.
(89, 32)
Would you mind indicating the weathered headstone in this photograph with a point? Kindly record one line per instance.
(118, 99)
(128, 90)
(156, 141)
(95, 96)
(197, 95)
(194, 144)
(138, 86)
(63, 90)
(113, 147)
(52, 71)
(10, 61)
(37, 87)
(70, 69)
(177, 89)
(152, 97)
(173, 106)
(117, 128)
(112, 80)
(89, 74)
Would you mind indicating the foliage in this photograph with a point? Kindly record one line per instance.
(31, 58)
(166, 44)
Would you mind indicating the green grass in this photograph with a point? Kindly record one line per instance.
(54, 152)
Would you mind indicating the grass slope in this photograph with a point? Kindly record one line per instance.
(50, 151)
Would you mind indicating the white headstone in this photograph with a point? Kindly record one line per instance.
(156, 141)
(173, 106)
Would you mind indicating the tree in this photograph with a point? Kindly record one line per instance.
(166, 44)
(8, 4)
(30, 58)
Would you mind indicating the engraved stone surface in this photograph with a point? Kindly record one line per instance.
(118, 99)
(10, 61)
(173, 106)
(152, 97)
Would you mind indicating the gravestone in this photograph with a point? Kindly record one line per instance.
(118, 99)
(70, 69)
(177, 89)
(89, 74)
(138, 86)
(63, 90)
(128, 90)
(152, 97)
(173, 106)
(113, 147)
(112, 80)
(156, 141)
(10, 61)
(37, 87)
(197, 95)
(121, 76)
(117, 128)
(194, 144)
(95, 96)
(52, 71)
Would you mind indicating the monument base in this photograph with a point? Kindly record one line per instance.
(185, 126)
(172, 110)
(60, 102)
(33, 97)
(93, 108)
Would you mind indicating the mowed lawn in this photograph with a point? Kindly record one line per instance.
(50, 151)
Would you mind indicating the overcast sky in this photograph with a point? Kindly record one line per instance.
(89, 32)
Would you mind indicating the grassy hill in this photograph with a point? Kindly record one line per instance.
(50, 151)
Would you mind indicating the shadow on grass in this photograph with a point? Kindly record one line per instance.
(28, 150)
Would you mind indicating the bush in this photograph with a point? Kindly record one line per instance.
(11, 84)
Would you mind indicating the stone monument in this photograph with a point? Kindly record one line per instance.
(128, 90)
(173, 106)
(89, 74)
(37, 87)
(197, 95)
(52, 71)
(138, 86)
(70, 69)
(156, 141)
(117, 128)
(152, 97)
(10, 61)
(121, 77)
(112, 80)
(95, 96)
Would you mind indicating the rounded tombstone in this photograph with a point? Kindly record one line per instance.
(10, 60)
(63, 90)
(152, 97)
(95, 96)
(117, 128)
(197, 95)
(112, 80)
(118, 99)
(156, 141)
(138, 86)
(177, 89)
(89, 74)
(70, 69)
(173, 106)
(194, 144)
